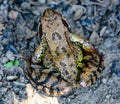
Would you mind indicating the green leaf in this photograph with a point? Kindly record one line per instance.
(16, 62)
(9, 64)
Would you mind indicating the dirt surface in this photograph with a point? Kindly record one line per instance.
(96, 20)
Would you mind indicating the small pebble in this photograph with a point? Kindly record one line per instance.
(3, 91)
(0, 77)
(108, 96)
(22, 95)
(1, 73)
(22, 79)
(11, 78)
(16, 90)
(0, 86)
(115, 67)
(104, 80)
(18, 85)
(102, 31)
(89, 24)
(36, 12)
(12, 49)
(1, 49)
(79, 11)
(1, 0)
(3, 11)
(42, 1)
(68, 99)
(13, 15)
(10, 56)
(19, 1)
(115, 2)
(94, 38)
(4, 60)
(1, 27)
(108, 43)
(118, 42)
(25, 5)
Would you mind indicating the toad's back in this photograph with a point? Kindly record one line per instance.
(56, 35)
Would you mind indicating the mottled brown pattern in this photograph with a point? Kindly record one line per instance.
(63, 49)
(68, 61)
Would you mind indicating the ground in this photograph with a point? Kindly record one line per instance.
(96, 20)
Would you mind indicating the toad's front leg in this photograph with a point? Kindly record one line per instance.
(81, 42)
(49, 81)
(92, 68)
(39, 53)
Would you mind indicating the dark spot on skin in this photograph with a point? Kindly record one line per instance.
(58, 77)
(71, 65)
(46, 80)
(68, 55)
(62, 73)
(53, 36)
(95, 74)
(53, 85)
(69, 77)
(98, 70)
(53, 65)
(75, 72)
(58, 90)
(45, 49)
(85, 62)
(62, 64)
(56, 36)
(44, 33)
(63, 49)
(37, 77)
(49, 51)
(51, 23)
(55, 18)
(57, 48)
(51, 60)
(57, 54)
(80, 69)
(94, 63)
(57, 51)
(91, 78)
(48, 26)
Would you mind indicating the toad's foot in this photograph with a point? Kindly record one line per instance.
(92, 68)
(49, 81)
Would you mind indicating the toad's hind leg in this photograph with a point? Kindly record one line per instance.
(92, 68)
(89, 62)
(50, 82)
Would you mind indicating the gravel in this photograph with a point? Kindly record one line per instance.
(98, 21)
